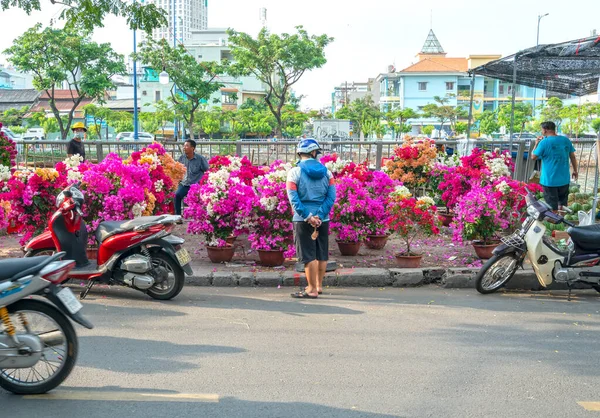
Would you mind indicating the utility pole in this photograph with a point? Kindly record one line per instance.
(537, 43)
(346, 92)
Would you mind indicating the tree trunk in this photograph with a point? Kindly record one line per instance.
(190, 123)
(56, 113)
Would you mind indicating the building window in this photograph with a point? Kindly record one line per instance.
(144, 93)
(422, 86)
(501, 89)
(157, 96)
(450, 85)
(228, 98)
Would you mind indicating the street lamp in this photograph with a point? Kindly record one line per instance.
(163, 78)
(537, 43)
(135, 102)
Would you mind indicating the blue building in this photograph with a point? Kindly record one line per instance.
(434, 74)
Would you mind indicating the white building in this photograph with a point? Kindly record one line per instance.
(206, 46)
(184, 16)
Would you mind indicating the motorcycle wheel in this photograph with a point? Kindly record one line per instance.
(57, 360)
(173, 280)
(496, 273)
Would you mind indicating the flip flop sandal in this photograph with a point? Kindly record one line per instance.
(302, 295)
(320, 293)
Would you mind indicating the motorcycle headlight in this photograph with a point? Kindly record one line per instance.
(533, 212)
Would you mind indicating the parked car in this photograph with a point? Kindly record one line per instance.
(29, 136)
(128, 136)
(37, 133)
(10, 134)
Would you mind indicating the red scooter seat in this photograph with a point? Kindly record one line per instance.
(109, 228)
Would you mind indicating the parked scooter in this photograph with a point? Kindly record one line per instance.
(139, 253)
(578, 263)
(38, 344)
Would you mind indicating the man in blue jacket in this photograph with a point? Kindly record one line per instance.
(311, 191)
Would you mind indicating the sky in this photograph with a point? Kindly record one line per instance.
(369, 35)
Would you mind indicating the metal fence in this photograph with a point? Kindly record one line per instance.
(262, 152)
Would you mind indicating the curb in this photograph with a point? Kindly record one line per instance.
(448, 278)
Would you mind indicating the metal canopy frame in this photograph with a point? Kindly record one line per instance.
(571, 67)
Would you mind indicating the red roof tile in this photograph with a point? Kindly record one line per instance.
(438, 65)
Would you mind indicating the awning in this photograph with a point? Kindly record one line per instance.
(570, 67)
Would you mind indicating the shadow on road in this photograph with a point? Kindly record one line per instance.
(226, 407)
(583, 301)
(144, 356)
(291, 307)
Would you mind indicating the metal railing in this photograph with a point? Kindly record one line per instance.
(47, 153)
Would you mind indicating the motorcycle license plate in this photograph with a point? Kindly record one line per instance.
(69, 300)
(183, 257)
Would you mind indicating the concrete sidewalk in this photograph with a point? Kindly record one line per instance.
(452, 278)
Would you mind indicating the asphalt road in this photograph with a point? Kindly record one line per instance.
(254, 352)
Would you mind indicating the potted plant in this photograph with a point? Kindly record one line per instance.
(272, 229)
(479, 217)
(379, 187)
(409, 217)
(350, 215)
(219, 207)
(411, 162)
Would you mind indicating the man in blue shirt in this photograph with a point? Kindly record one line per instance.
(311, 192)
(195, 165)
(555, 151)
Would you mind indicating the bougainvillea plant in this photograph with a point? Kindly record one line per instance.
(410, 217)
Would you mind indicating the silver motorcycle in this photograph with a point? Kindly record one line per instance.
(38, 344)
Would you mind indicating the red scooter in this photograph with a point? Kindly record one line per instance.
(139, 253)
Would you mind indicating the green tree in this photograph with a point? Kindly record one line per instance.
(596, 125)
(121, 121)
(552, 110)
(293, 121)
(363, 113)
(90, 14)
(577, 121)
(13, 116)
(428, 130)
(279, 61)
(99, 115)
(50, 126)
(522, 115)
(441, 110)
(18, 129)
(149, 122)
(57, 56)
(488, 123)
(210, 121)
(37, 119)
(195, 81)
(460, 127)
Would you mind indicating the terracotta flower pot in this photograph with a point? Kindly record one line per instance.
(230, 239)
(220, 254)
(271, 258)
(348, 248)
(446, 218)
(376, 242)
(484, 251)
(408, 261)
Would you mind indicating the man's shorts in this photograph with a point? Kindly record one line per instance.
(556, 196)
(308, 249)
